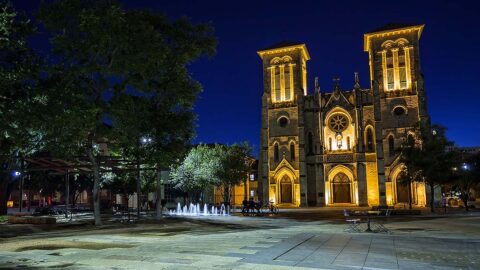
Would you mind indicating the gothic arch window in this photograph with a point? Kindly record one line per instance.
(396, 64)
(369, 140)
(310, 143)
(399, 110)
(391, 145)
(410, 139)
(348, 142)
(330, 144)
(283, 121)
(275, 152)
(292, 151)
(281, 78)
(390, 70)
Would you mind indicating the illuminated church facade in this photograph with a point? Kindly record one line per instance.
(340, 148)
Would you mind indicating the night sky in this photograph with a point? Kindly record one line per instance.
(229, 109)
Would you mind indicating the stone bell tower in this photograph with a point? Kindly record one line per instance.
(399, 97)
(282, 153)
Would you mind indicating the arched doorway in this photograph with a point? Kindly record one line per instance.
(286, 190)
(341, 188)
(402, 189)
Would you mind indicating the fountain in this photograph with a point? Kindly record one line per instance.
(195, 210)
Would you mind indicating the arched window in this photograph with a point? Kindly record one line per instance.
(391, 145)
(390, 71)
(330, 144)
(410, 139)
(275, 152)
(369, 140)
(348, 142)
(396, 64)
(292, 151)
(310, 143)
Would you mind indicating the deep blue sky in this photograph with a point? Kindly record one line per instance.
(229, 107)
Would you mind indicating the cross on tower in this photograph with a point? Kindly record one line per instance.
(336, 79)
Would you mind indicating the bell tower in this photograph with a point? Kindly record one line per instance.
(282, 154)
(399, 97)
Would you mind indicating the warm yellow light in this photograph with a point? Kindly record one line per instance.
(9, 203)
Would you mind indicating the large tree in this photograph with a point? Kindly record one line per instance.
(19, 72)
(197, 172)
(426, 158)
(207, 166)
(467, 176)
(235, 167)
(110, 58)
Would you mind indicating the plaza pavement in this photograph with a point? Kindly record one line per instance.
(282, 242)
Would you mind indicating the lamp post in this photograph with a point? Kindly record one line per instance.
(141, 142)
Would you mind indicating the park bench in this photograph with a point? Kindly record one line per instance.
(371, 218)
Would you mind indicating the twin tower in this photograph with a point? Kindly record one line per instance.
(340, 148)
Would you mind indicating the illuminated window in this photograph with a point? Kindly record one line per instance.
(287, 82)
(292, 151)
(275, 152)
(282, 79)
(252, 177)
(390, 71)
(391, 145)
(396, 64)
(338, 122)
(402, 69)
(278, 96)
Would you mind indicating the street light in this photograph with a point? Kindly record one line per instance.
(146, 140)
(16, 173)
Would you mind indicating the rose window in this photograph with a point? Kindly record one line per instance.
(338, 122)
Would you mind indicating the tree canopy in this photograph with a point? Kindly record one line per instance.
(114, 75)
(207, 166)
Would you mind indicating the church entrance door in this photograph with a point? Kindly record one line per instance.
(402, 191)
(341, 188)
(286, 190)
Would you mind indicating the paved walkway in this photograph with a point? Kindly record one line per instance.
(251, 243)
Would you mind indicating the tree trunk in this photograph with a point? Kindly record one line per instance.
(465, 198)
(67, 193)
(432, 198)
(158, 195)
(139, 188)
(4, 193)
(96, 187)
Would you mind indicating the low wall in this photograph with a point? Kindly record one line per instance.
(31, 220)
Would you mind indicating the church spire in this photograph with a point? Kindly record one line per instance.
(357, 81)
(337, 85)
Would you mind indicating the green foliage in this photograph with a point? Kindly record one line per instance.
(427, 159)
(3, 219)
(198, 169)
(466, 175)
(19, 73)
(127, 67)
(207, 166)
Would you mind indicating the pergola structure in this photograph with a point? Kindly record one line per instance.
(78, 165)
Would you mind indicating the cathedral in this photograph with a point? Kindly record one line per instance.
(340, 148)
